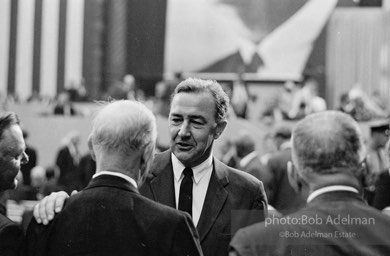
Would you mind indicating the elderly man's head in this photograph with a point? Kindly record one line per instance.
(12, 147)
(124, 131)
(327, 144)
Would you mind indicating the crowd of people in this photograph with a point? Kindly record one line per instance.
(320, 192)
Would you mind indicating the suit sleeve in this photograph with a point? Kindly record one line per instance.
(186, 238)
(37, 239)
(11, 239)
(261, 202)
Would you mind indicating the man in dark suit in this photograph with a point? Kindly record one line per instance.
(249, 159)
(110, 217)
(223, 197)
(68, 159)
(220, 199)
(328, 153)
(280, 193)
(12, 155)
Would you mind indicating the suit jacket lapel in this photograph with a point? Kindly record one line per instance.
(162, 185)
(215, 199)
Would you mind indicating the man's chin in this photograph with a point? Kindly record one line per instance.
(183, 156)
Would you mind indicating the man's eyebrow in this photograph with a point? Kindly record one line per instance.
(197, 117)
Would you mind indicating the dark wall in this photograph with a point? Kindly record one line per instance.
(145, 38)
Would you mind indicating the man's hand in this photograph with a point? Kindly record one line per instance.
(45, 210)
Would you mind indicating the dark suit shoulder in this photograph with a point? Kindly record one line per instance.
(161, 160)
(243, 179)
(11, 237)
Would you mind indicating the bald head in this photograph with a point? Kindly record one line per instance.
(123, 138)
(327, 142)
(124, 126)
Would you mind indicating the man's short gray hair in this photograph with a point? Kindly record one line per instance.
(327, 142)
(124, 126)
(195, 85)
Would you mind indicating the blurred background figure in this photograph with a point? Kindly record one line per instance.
(363, 107)
(87, 168)
(229, 153)
(286, 98)
(38, 181)
(52, 176)
(307, 100)
(240, 98)
(344, 103)
(381, 198)
(68, 159)
(279, 191)
(129, 87)
(377, 160)
(162, 94)
(33, 158)
(64, 105)
(248, 157)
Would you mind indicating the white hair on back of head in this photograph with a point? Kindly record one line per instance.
(124, 126)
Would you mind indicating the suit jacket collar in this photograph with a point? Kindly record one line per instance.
(111, 181)
(162, 185)
(215, 199)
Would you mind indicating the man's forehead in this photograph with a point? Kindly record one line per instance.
(12, 137)
(192, 102)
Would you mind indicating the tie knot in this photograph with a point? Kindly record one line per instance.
(188, 172)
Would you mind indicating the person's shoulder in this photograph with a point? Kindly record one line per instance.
(160, 162)
(158, 213)
(9, 229)
(6, 222)
(238, 176)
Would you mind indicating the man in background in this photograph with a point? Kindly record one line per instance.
(249, 159)
(279, 191)
(32, 160)
(12, 156)
(327, 153)
(110, 217)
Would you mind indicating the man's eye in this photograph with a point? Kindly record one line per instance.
(175, 120)
(197, 122)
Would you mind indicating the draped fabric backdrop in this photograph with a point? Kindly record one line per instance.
(358, 52)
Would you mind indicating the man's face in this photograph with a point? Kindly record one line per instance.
(12, 155)
(193, 127)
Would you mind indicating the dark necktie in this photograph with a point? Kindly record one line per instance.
(255, 64)
(185, 197)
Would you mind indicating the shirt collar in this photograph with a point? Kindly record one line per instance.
(327, 189)
(117, 174)
(199, 170)
(248, 158)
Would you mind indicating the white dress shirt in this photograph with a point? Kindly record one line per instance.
(202, 175)
(116, 174)
(327, 189)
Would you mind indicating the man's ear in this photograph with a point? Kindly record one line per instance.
(219, 129)
(90, 147)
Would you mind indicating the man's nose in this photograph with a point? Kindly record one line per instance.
(24, 158)
(184, 129)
